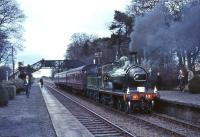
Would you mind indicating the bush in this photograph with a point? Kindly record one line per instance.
(3, 96)
(11, 89)
(18, 83)
(194, 85)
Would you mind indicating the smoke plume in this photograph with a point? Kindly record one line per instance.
(157, 31)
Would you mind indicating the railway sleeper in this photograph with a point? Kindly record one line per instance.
(99, 129)
(94, 123)
(106, 132)
(91, 120)
(109, 135)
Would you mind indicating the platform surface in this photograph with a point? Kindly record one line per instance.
(185, 98)
(40, 115)
(65, 124)
(26, 117)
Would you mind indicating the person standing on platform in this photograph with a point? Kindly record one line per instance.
(158, 81)
(41, 82)
(181, 80)
(190, 75)
(27, 85)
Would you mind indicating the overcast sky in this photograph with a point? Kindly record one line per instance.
(50, 24)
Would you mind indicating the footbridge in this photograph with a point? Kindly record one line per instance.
(52, 64)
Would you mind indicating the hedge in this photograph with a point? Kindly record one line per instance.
(18, 83)
(11, 91)
(194, 85)
(4, 97)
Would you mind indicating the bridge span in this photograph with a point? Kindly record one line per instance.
(52, 64)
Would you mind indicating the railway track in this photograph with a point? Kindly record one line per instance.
(190, 126)
(97, 125)
(175, 127)
(161, 123)
(166, 123)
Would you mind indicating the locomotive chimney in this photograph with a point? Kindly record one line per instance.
(133, 57)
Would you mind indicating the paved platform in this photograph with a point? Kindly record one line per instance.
(184, 98)
(26, 117)
(65, 124)
(41, 115)
(180, 105)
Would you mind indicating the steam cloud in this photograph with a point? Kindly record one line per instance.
(156, 31)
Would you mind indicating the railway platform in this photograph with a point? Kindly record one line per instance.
(26, 117)
(65, 124)
(182, 105)
(178, 97)
(41, 115)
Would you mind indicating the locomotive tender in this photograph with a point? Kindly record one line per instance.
(121, 84)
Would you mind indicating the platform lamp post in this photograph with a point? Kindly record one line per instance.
(97, 60)
(98, 56)
(12, 58)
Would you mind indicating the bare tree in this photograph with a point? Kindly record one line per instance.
(79, 48)
(11, 18)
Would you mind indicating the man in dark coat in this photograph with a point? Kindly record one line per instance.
(158, 81)
(41, 82)
(27, 85)
(182, 80)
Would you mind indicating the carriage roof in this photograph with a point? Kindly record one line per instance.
(82, 68)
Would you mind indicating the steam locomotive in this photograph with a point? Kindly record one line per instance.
(119, 84)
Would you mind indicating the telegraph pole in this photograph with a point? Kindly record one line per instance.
(13, 61)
